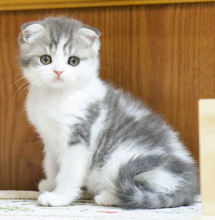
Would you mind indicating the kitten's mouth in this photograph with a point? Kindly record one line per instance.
(57, 83)
(58, 79)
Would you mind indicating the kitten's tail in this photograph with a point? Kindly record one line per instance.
(133, 196)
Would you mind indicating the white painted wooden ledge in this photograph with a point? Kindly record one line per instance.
(19, 194)
(13, 194)
(207, 157)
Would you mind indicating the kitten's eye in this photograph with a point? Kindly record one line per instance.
(73, 61)
(45, 59)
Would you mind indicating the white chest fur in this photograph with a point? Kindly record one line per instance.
(53, 112)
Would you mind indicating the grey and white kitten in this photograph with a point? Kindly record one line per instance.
(94, 135)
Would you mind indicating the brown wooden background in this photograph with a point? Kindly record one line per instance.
(163, 54)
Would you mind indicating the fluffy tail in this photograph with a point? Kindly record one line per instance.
(135, 195)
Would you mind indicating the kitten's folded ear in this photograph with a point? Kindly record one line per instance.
(88, 35)
(31, 30)
(93, 29)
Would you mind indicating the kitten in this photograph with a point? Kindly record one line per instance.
(94, 135)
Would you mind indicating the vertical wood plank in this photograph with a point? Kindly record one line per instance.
(207, 154)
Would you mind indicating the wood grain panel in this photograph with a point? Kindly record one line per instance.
(162, 54)
(48, 4)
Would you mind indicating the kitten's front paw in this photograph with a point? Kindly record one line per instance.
(50, 199)
(44, 185)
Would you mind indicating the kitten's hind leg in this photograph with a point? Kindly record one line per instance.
(106, 198)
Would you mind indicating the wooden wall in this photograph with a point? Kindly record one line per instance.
(162, 54)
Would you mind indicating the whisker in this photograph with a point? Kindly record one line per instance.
(36, 89)
(22, 86)
(19, 73)
(24, 77)
(30, 90)
(22, 91)
(17, 81)
(23, 105)
(18, 90)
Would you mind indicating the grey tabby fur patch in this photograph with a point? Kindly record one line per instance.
(81, 131)
(119, 127)
(149, 133)
(135, 195)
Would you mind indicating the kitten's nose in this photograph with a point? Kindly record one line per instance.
(58, 72)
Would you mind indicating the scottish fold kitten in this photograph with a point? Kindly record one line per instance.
(94, 135)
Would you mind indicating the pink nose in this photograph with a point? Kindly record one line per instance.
(58, 72)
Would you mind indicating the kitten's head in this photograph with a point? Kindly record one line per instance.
(59, 52)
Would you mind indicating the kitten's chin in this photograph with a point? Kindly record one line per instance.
(60, 84)
(57, 84)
